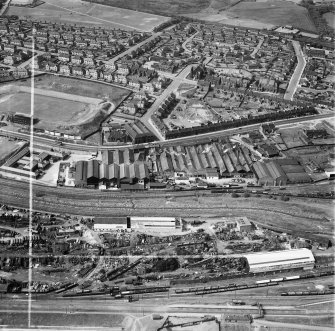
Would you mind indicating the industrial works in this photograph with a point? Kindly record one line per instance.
(167, 165)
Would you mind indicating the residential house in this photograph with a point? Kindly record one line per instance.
(93, 73)
(51, 66)
(65, 69)
(64, 58)
(131, 107)
(76, 60)
(78, 71)
(89, 61)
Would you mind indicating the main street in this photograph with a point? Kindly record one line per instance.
(80, 147)
(295, 79)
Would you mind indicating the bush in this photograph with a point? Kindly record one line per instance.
(284, 198)
(234, 195)
(246, 195)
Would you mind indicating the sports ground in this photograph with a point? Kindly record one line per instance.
(86, 13)
(66, 104)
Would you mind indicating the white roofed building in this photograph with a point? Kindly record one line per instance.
(277, 260)
(108, 224)
(154, 223)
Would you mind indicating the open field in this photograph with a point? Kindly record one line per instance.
(48, 109)
(259, 15)
(59, 110)
(66, 319)
(277, 13)
(330, 18)
(85, 13)
(6, 147)
(163, 7)
(83, 88)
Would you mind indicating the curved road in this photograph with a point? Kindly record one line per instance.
(94, 148)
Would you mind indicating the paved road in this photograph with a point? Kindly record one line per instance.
(257, 48)
(172, 88)
(92, 148)
(133, 48)
(5, 7)
(186, 41)
(294, 82)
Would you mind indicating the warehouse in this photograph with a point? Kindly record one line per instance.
(92, 172)
(81, 174)
(155, 223)
(108, 224)
(280, 172)
(277, 260)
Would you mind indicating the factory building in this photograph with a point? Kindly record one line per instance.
(26, 163)
(155, 223)
(243, 225)
(277, 260)
(92, 173)
(81, 174)
(108, 224)
(212, 160)
(280, 172)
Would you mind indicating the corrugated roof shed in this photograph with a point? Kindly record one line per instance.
(92, 169)
(166, 162)
(131, 168)
(81, 173)
(202, 157)
(103, 173)
(194, 155)
(229, 165)
(276, 171)
(107, 157)
(246, 154)
(144, 172)
(210, 157)
(219, 157)
(113, 171)
(128, 156)
(174, 159)
(118, 157)
(189, 162)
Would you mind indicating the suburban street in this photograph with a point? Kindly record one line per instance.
(294, 82)
(172, 88)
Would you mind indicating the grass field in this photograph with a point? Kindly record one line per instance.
(274, 12)
(85, 13)
(330, 18)
(77, 87)
(55, 112)
(61, 320)
(6, 147)
(162, 7)
(47, 109)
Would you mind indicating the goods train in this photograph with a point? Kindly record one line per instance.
(140, 290)
(298, 293)
(260, 283)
